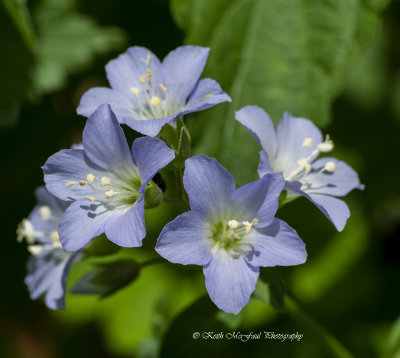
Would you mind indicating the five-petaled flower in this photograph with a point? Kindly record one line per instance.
(229, 231)
(293, 150)
(146, 94)
(49, 265)
(105, 182)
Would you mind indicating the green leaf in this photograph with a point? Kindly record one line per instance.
(183, 338)
(392, 349)
(278, 55)
(269, 289)
(101, 246)
(19, 12)
(68, 42)
(108, 278)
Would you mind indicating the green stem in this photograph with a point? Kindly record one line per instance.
(157, 260)
(336, 348)
(173, 201)
(179, 184)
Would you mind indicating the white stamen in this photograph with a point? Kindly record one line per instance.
(330, 166)
(326, 146)
(232, 224)
(304, 164)
(155, 101)
(142, 78)
(90, 177)
(45, 213)
(54, 236)
(105, 181)
(307, 142)
(25, 230)
(110, 193)
(69, 183)
(134, 90)
(35, 249)
(163, 88)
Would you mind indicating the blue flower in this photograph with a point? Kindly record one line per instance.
(105, 182)
(230, 232)
(293, 150)
(49, 265)
(146, 94)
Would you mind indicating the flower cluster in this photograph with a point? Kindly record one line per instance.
(104, 187)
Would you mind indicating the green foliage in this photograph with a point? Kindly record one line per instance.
(269, 289)
(278, 55)
(392, 349)
(101, 246)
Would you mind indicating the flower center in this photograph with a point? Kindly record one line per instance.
(304, 165)
(115, 192)
(232, 237)
(152, 101)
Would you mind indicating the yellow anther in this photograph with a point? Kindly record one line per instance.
(110, 193)
(207, 95)
(148, 72)
(35, 249)
(90, 177)
(163, 88)
(304, 164)
(105, 181)
(142, 78)
(232, 224)
(57, 245)
(307, 142)
(155, 101)
(54, 236)
(330, 166)
(254, 222)
(134, 90)
(91, 198)
(45, 213)
(82, 182)
(69, 183)
(326, 146)
(25, 230)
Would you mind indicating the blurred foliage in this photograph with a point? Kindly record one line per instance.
(335, 62)
(278, 55)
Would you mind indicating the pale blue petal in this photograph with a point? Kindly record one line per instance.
(69, 164)
(207, 93)
(264, 166)
(339, 183)
(82, 221)
(128, 229)
(124, 72)
(230, 282)
(291, 133)
(150, 127)
(104, 141)
(276, 245)
(150, 156)
(184, 240)
(258, 199)
(182, 69)
(208, 184)
(260, 126)
(97, 96)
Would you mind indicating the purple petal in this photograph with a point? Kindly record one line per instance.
(128, 229)
(102, 95)
(264, 166)
(182, 69)
(104, 141)
(208, 184)
(124, 72)
(150, 156)
(259, 199)
(184, 240)
(291, 133)
(230, 282)
(55, 297)
(207, 93)
(339, 183)
(277, 244)
(260, 126)
(82, 221)
(69, 164)
(150, 127)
